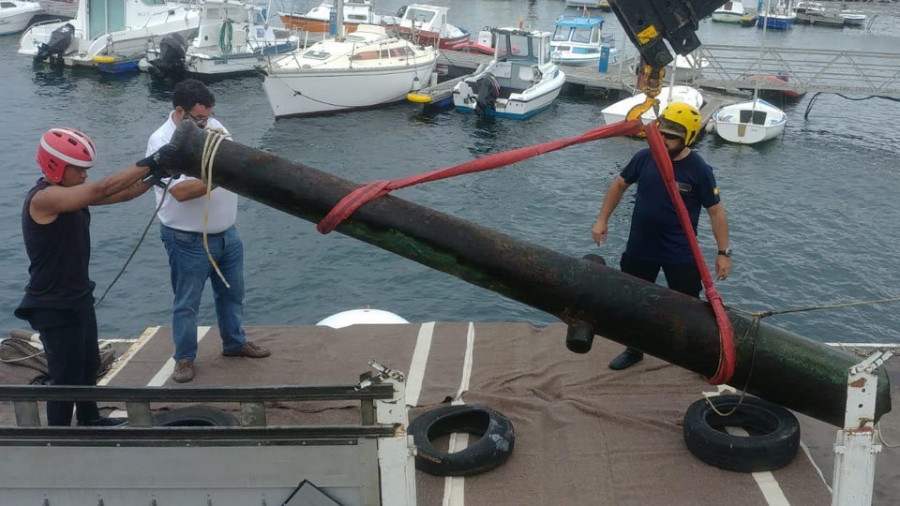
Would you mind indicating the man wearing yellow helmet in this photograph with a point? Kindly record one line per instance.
(656, 240)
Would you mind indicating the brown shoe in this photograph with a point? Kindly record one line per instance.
(184, 371)
(249, 350)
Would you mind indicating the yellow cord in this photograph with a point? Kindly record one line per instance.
(214, 138)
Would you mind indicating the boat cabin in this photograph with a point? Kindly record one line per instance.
(519, 57)
(578, 31)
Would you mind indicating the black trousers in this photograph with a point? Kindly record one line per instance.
(73, 355)
(684, 278)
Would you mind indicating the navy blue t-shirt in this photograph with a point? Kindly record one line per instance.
(656, 234)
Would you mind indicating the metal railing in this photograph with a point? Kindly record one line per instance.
(802, 70)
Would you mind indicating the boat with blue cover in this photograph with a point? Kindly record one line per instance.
(578, 41)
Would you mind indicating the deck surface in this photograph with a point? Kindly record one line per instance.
(585, 434)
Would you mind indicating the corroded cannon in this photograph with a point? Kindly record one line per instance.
(783, 367)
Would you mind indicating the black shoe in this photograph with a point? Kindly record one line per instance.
(626, 359)
(106, 421)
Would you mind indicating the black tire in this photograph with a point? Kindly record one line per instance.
(494, 446)
(772, 444)
(195, 416)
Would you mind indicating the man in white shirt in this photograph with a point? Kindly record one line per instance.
(181, 219)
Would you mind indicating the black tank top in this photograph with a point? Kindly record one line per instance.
(59, 253)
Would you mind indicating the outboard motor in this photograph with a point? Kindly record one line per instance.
(487, 91)
(172, 49)
(57, 46)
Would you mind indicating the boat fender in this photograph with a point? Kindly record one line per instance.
(195, 416)
(103, 58)
(494, 446)
(772, 444)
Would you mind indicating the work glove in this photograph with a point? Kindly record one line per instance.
(164, 163)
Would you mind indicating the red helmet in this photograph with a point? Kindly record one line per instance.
(61, 147)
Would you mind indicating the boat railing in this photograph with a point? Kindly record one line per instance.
(137, 400)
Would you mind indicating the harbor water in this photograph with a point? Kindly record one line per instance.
(813, 214)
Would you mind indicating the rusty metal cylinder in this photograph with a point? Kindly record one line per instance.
(783, 367)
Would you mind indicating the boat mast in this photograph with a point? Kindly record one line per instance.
(339, 19)
(762, 46)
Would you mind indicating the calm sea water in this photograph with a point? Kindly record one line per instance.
(814, 215)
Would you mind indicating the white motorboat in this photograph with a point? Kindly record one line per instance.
(730, 12)
(749, 122)
(519, 82)
(853, 17)
(109, 32)
(777, 15)
(232, 38)
(367, 68)
(426, 25)
(669, 94)
(16, 14)
(577, 41)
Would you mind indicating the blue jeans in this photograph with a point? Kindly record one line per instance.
(190, 268)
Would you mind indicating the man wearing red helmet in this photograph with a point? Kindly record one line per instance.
(59, 300)
(656, 240)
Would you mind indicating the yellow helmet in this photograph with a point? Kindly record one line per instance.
(686, 116)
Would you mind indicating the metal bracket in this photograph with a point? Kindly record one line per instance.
(381, 373)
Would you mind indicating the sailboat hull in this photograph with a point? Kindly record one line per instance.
(749, 122)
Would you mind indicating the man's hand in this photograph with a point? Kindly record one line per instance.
(599, 231)
(723, 267)
(165, 162)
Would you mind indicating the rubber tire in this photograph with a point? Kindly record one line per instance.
(497, 438)
(195, 416)
(774, 434)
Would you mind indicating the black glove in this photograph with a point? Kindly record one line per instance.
(164, 163)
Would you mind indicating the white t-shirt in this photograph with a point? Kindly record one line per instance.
(187, 216)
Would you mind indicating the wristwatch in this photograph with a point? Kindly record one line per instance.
(726, 252)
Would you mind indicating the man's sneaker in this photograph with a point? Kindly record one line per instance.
(184, 370)
(250, 350)
(106, 421)
(626, 359)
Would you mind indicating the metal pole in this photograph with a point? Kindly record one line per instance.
(788, 369)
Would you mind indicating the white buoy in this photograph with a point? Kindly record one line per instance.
(361, 316)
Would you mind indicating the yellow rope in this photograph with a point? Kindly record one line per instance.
(214, 138)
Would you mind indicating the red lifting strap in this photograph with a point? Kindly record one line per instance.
(726, 333)
(349, 204)
(353, 201)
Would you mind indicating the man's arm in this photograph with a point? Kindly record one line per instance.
(719, 223)
(135, 190)
(54, 200)
(189, 189)
(610, 201)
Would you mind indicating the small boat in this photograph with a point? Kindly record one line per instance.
(669, 94)
(15, 15)
(231, 39)
(317, 21)
(577, 41)
(427, 25)
(817, 18)
(809, 7)
(730, 12)
(519, 82)
(777, 15)
(789, 94)
(484, 44)
(367, 68)
(749, 122)
(123, 30)
(853, 17)
(749, 19)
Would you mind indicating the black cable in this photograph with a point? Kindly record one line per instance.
(138, 245)
(816, 96)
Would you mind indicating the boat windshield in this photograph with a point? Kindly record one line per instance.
(419, 15)
(561, 34)
(519, 48)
